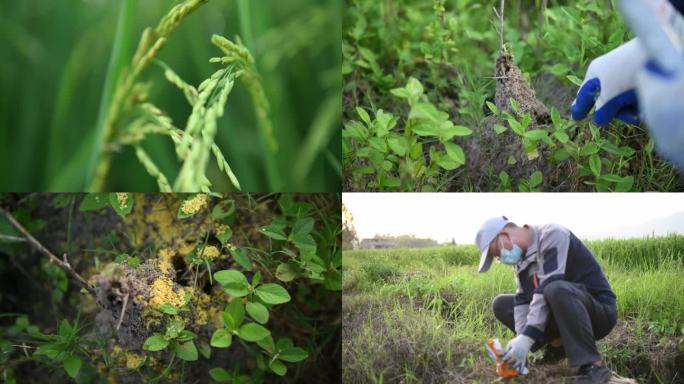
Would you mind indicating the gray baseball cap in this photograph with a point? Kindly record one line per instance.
(488, 231)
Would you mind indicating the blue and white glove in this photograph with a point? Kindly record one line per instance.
(610, 83)
(661, 98)
(516, 351)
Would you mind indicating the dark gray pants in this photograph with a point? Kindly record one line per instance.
(576, 317)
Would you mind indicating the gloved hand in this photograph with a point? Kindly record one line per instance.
(661, 97)
(516, 351)
(610, 83)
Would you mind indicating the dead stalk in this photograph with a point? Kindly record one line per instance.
(64, 264)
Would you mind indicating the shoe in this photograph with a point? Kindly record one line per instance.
(552, 355)
(593, 374)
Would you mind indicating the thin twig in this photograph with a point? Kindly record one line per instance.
(62, 263)
(11, 238)
(123, 311)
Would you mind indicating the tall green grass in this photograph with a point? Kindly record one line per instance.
(62, 63)
(423, 315)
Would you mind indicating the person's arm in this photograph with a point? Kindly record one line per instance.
(521, 305)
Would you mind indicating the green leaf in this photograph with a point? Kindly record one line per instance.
(589, 149)
(272, 294)
(398, 144)
(72, 364)
(225, 234)
(499, 129)
(186, 335)
(267, 344)
(168, 308)
(515, 126)
(561, 136)
(284, 343)
(514, 104)
(258, 312)
(595, 164)
(333, 281)
(355, 130)
(391, 182)
(220, 375)
(174, 328)
(256, 279)
(384, 122)
(561, 154)
(378, 144)
(286, 272)
(221, 339)
(186, 351)
(93, 201)
(536, 134)
(241, 258)
(428, 112)
(234, 314)
(231, 277)
(223, 209)
(400, 92)
(122, 202)
(363, 115)
(535, 179)
(204, 349)
(414, 88)
(425, 129)
(303, 225)
(306, 244)
(556, 118)
(274, 231)
(293, 355)
(278, 367)
(455, 152)
(492, 107)
(574, 79)
(155, 343)
(253, 332)
(559, 69)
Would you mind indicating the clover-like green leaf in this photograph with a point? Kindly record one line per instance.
(272, 294)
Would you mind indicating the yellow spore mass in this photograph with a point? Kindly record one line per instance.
(222, 228)
(210, 252)
(133, 360)
(165, 256)
(193, 205)
(163, 292)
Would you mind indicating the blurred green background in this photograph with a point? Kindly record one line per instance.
(53, 66)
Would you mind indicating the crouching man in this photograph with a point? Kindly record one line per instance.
(563, 299)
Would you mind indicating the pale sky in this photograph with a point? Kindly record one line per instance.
(443, 216)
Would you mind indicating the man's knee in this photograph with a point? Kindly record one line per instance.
(557, 290)
(501, 305)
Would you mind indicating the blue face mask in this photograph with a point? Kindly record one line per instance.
(511, 256)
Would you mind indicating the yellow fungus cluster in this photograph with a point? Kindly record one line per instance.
(222, 228)
(133, 360)
(165, 256)
(163, 292)
(201, 302)
(210, 252)
(192, 206)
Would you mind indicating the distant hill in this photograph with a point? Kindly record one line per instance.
(670, 224)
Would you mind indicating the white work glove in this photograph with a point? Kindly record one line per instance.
(516, 351)
(610, 83)
(661, 99)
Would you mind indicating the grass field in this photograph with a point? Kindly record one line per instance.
(424, 315)
(68, 110)
(420, 111)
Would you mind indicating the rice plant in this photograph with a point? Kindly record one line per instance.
(103, 112)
